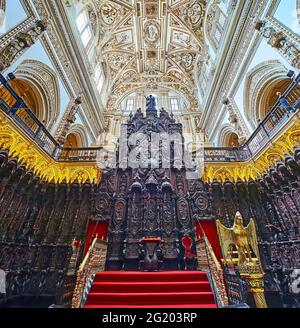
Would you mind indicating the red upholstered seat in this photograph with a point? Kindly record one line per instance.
(187, 243)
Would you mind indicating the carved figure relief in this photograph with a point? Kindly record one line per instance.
(183, 212)
(152, 32)
(119, 212)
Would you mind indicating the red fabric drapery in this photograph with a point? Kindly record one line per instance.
(95, 228)
(210, 229)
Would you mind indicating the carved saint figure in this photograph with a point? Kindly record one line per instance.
(244, 238)
(151, 103)
(151, 33)
(119, 212)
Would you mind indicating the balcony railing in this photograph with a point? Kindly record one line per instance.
(78, 154)
(223, 154)
(14, 106)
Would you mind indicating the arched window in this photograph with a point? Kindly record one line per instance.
(29, 94)
(263, 83)
(83, 25)
(270, 97)
(26, 92)
(228, 137)
(71, 141)
(232, 140)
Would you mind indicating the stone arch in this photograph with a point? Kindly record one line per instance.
(43, 81)
(228, 136)
(72, 141)
(78, 133)
(262, 84)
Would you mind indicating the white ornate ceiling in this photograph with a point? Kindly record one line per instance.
(149, 45)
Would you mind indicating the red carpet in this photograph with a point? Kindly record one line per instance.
(166, 289)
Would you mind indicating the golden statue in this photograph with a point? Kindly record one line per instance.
(249, 266)
(244, 238)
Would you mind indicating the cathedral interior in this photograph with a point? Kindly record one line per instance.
(150, 153)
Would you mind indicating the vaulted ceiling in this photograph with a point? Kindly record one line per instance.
(149, 45)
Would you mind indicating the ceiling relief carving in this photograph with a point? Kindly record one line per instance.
(185, 59)
(192, 13)
(117, 61)
(109, 14)
(151, 33)
(151, 45)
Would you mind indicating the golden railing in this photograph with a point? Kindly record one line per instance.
(208, 262)
(93, 262)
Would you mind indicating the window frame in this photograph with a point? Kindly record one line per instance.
(84, 28)
(174, 106)
(218, 28)
(129, 105)
(99, 77)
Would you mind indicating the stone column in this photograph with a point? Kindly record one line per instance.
(139, 100)
(236, 119)
(67, 120)
(116, 127)
(20, 43)
(282, 39)
(164, 100)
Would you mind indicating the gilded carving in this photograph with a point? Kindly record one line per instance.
(244, 239)
(252, 170)
(42, 165)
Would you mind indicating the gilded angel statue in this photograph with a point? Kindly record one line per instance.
(244, 238)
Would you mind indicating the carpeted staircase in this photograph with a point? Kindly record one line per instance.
(166, 289)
